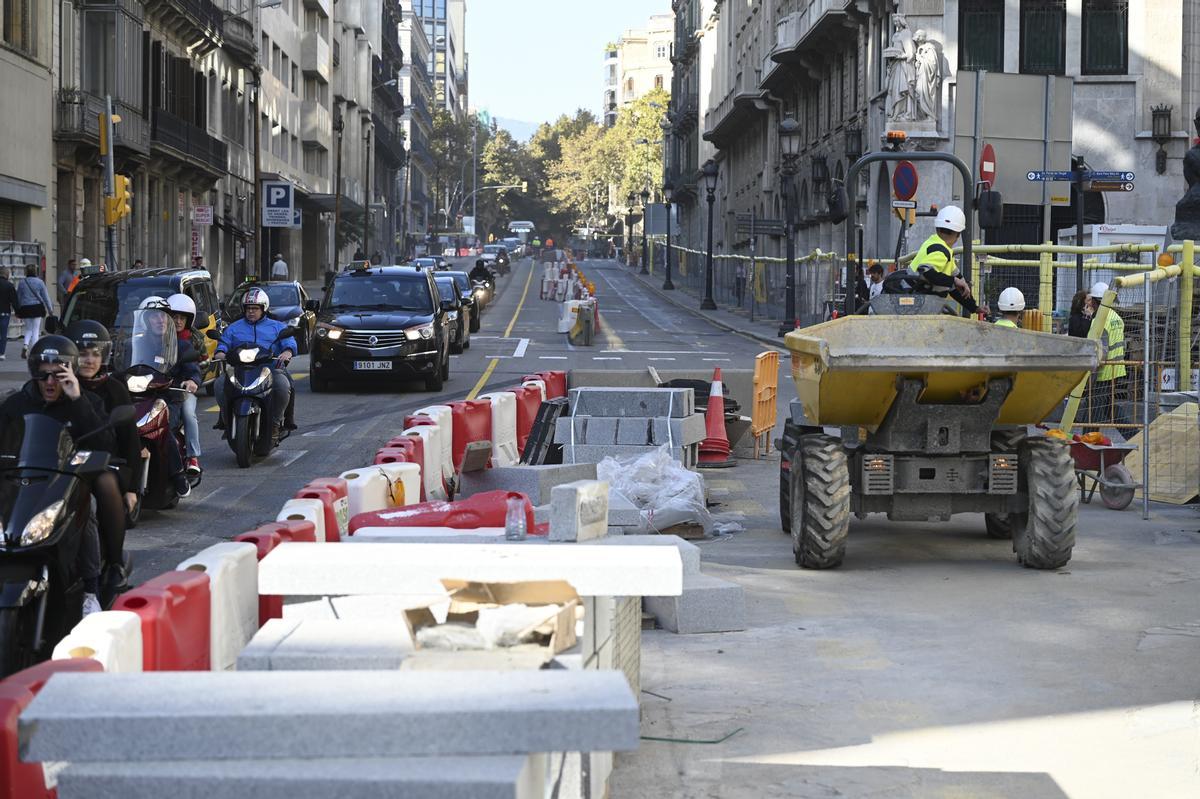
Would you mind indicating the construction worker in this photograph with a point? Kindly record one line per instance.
(1011, 305)
(935, 260)
(1104, 408)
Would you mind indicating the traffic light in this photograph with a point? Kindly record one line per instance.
(120, 205)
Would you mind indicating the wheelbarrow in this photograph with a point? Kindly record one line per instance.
(1099, 466)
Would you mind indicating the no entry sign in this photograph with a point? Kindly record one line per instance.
(904, 180)
(987, 166)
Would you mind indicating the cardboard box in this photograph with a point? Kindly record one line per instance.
(552, 632)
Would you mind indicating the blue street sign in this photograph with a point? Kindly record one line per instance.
(278, 203)
(1049, 175)
(904, 180)
(1124, 177)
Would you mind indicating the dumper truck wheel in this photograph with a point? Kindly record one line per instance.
(820, 502)
(787, 454)
(1044, 534)
(999, 525)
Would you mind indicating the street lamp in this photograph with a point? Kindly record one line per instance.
(1161, 133)
(629, 202)
(854, 145)
(668, 190)
(789, 143)
(339, 126)
(645, 209)
(710, 171)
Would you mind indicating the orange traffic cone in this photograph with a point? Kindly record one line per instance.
(714, 449)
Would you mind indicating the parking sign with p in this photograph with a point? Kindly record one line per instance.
(278, 203)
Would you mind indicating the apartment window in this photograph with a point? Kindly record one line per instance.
(1043, 37)
(66, 47)
(660, 51)
(658, 81)
(285, 70)
(981, 35)
(19, 25)
(100, 52)
(1105, 37)
(295, 79)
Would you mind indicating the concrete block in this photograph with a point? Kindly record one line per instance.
(579, 511)
(643, 402)
(587, 453)
(310, 510)
(635, 431)
(302, 569)
(386, 608)
(338, 645)
(156, 716)
(534, 482)
(494, 777)
(541, 514)
(689, 553)
(678, 432)
(232, 569)
(622, 512)
(599, 430)
(112, 637)
(707, 605)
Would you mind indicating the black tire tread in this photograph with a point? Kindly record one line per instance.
(787, 451)
(1044, 536)
(998, 525)
(820, 529)
(243, 447)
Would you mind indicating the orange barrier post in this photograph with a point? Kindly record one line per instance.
(766, 398)
(714, 450)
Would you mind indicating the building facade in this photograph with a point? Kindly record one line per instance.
(849, 71)
(389, 151)
(639, 62)
(417, 127)
(445, 22)
(612, 83)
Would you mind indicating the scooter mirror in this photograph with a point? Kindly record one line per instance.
(214, 335)
(287, 332)
(121, 415)
(201, 321)
(313, 305)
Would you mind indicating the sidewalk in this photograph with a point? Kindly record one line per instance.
(764, 331)
(13, 370)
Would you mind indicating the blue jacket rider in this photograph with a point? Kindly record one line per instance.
(256, 328)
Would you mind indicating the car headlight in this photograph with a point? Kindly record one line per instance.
(156, 410)
(41, 525)
(423, 331)
(258, 381)
(331, 332)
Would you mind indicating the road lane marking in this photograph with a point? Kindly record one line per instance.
(660, 359)
(710, 360)
(659, 352)
(552, 357)
(288, 459)
(487, 373)
(325, 432)
(520, 350)
(602, 358)
(213, 409)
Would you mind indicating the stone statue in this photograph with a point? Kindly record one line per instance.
(927, 78)
(1187, 210)
(901, 56)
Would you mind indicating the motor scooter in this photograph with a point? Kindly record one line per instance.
(248, 372)
(45, 505)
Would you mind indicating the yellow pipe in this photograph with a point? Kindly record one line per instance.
(1185, 316)
(1152, 276)
(1046, 288)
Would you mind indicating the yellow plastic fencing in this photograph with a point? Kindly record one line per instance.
(766, 400)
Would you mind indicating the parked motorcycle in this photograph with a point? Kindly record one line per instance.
(145, 364)
(248, 371)
(45, 503)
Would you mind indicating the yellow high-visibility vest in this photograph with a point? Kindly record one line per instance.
(1007, 323)
(936, 254)
(1114, 337)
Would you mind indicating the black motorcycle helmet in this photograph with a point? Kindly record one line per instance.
(53, 349)
(88, 334)
(480, 263)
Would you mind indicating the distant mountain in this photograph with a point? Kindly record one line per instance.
(521, 131)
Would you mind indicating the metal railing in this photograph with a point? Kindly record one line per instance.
(188, 139)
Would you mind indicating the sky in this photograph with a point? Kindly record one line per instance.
(533, 60)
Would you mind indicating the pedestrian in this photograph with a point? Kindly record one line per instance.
(935, 260)
(139, 264)
(65, 280)
(1107, 384)
(1080, 320)
(1011, 305)
(279, 269)
(8, 303)
(875, 278)
(198, 262)
(33, 305)
(359, 255)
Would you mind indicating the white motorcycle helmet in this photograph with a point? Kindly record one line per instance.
(951, 218)
(256, 296)
(183, 304)
(1011, 300)
(155, 304)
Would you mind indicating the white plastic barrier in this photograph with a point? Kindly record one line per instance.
(112, 637)
(406, 477)
(232, 569)
(368, 489)
(540, 385)
(504, 428)
(311, 510)
(444, 416)
(431, 466)
(566, 319)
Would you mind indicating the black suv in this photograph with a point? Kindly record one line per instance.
(381, 321)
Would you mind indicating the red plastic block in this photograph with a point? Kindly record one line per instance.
(175, 610)
(419, 421)
(342, 492)
(472, 422)
(529, 399)
(556, 383)
(296, 530)
(269, 607)
(27, 780)
(487, 509)
(329, 500)
(393, 455)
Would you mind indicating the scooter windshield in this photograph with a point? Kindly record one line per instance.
(153, 343)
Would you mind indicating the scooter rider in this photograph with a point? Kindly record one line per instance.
(155, 328)
(187, 377)
(256, 328)
(481, 271)
(54, 390)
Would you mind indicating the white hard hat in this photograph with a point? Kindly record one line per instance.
(1011, 299)
(951, 218)
(1098, 290)
(84, 262)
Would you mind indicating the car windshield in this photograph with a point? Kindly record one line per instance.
(112, 304)
(281, 295)
(494, 248)
(382, 292)
(462, 281)
(447, 289)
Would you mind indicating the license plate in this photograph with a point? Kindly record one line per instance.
(372, 366)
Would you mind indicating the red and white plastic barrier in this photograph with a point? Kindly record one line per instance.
(368, 489)
(175, 609)
(504, 427)
(333, 494)
(556, 383)
(487, 509)
(472, 422)
(307, 510)
(269, 607)
(537, 383)
(529, 399)
(232, 569)
(434, 486)
(112, 638)
(443, 416)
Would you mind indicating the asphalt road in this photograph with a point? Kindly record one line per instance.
(342, 429)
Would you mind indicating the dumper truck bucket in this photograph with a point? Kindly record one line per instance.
(845, 370)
